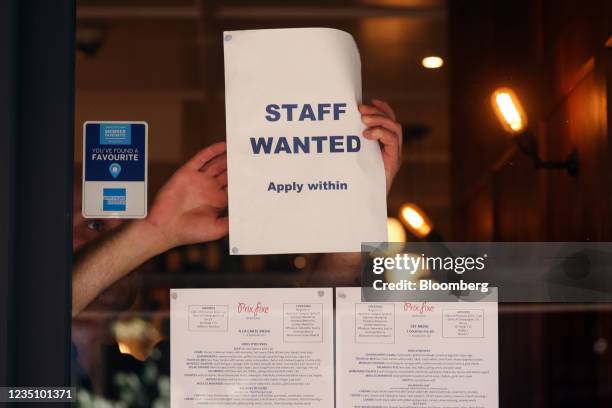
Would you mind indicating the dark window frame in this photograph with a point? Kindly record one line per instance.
(36, 158)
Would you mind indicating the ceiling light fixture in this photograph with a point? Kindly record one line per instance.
(432, 62)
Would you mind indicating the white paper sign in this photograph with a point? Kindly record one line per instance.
(235, 348)
(415, 354)
(301, 176)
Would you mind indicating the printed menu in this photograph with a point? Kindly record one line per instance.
(415, 354)
(252, 347)
(275, 348)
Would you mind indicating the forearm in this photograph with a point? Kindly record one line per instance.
(102, 262)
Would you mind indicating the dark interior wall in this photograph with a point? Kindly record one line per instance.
(574, 100)
(553, 54)
(491, 45)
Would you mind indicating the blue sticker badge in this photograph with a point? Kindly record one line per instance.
(115, 169)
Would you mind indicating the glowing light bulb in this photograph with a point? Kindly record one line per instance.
(509, 110)
(415, 220)
(432, 62)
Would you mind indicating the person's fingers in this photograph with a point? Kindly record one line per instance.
(222, 179)
(215, 184)
(220, 227)
(389, 139)
(370, 110)
(385, 107)
(215, 166)
(204, 155)
(210, 192)
(382, 121)
(220, 196)
(218, 199)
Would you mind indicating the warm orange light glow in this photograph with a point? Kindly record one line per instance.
(509, 110)
(299, 262)
(395, 230)
(432, 62)
(415, 220)
(124, 348)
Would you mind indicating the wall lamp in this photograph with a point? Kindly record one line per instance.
(418, 223)
(514, 121)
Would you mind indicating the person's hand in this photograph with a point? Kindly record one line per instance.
(188, 209)
(382, 126)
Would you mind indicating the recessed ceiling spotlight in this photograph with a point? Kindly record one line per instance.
(432, 62)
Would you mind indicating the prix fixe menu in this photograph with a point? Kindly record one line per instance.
(290, 348)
